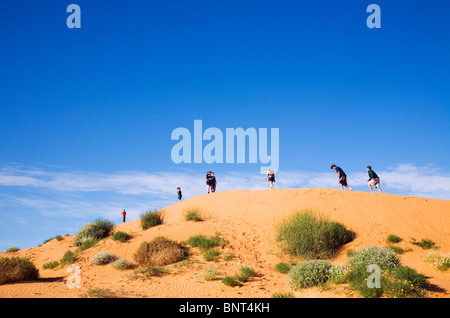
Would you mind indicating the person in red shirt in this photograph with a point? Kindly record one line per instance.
(124, 215)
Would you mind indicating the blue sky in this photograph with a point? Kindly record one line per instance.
(86, 114)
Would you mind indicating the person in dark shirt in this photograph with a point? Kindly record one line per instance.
(342, 177)
(373, 179)
(180, 195)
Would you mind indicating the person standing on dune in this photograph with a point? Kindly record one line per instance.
(271, 177)
(179, 194)
(342, 177)
(373, 179)
(124, 214)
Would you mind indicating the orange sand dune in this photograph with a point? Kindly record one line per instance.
(246, 220)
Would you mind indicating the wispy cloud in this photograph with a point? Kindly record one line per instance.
(81, 192)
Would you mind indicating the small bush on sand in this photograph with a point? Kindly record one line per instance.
(392, 238)
(193, 214)
(160, 251)
(12, 249)
(426, 244)
(205, 243)
(50, 265)
(338, 274)
(103, 258)
(151, 218)
(96, 230)
(309, 273)
(122, 264)
(229, 281)
(245, 273)
(312, 237)
(16, 269)
(88, 243)
(68, 258)
(282, 268)
(120, 236)
(383, 257)
(211, 255)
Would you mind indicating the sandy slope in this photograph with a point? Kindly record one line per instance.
(246, 219)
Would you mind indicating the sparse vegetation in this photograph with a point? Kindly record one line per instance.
(193, 214)
(88, 243)
(426, 244)
(120, 236)
(205, 243)
(151, 218)
(68, 258)
(13, 269)
(122, 264)
(229, 281)
(282, 268)
(245, 273)
(392, 238)
(311, 237)
(93, 231)
(211, 255)
(50, 265)
(103, 258)
(149, 271)
(309, 273)
(228, 256)
(12, 249)
(160, 251)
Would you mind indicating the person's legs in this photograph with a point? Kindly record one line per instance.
(377, 184)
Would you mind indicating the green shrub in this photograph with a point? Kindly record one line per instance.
(205, 243)
(282, 268)
(96, 230)
(120, 236)
(392, 238)
(122, 264)
(228, 257)
(12, 249)
(309, 273)
(211, 255)
(152, 271)
(396, 249)
(357, 278)
(151, 218)
(382, 257)
(245, 273)
(68, 258)
(311, 237)
(50, 265)
(16, 269)
(193, 214)
(229, 281)
(426, 244)
(410, 276)
(103, 258)
(159, 252)
(88, 243)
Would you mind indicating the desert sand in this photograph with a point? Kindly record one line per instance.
(247, 220)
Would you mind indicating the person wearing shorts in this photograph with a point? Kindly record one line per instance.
(270, 176)
(208, 181)
(342, 177)
(373, 180)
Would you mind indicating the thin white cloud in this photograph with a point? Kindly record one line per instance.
(81, 192)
